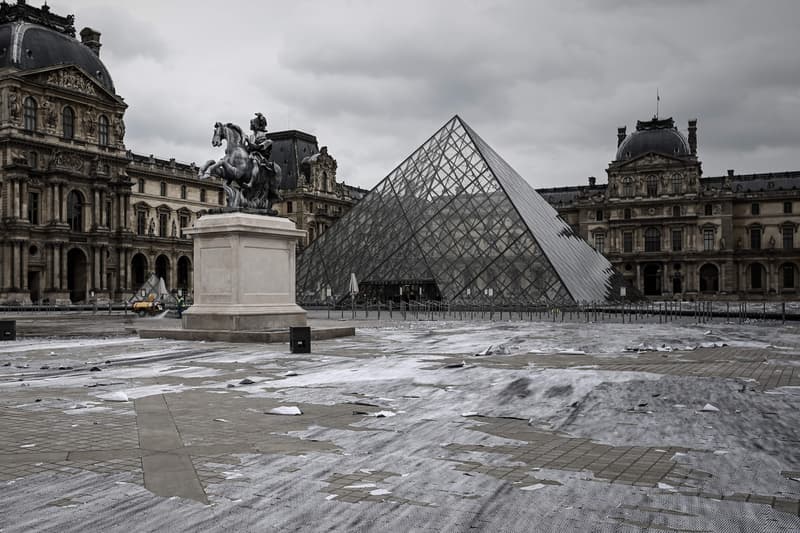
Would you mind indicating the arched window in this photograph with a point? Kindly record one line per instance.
(708, 210)
(652, 185)
(627, 187)
(652, 240)
(141, 185)
(163, 189)
(29, 114)
(102, 130)
(756, 276)
(676, 184)
(626, 213)
(676, 210)
(183, 192)
(68, 122)
(75, 211)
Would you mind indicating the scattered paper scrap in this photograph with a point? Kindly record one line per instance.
(331, 496)
(380, 492)
(290, 373)
(116, 396)
(384, 414)
(361, 486)
(535, 486)
(666, 486)
(291, 410)
(470, 413)
(708, 408)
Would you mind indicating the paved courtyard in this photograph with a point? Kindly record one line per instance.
(408, 426)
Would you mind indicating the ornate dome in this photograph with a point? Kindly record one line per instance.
(657, 135)
(32, 38)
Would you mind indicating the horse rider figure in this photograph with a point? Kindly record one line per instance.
(258, 146)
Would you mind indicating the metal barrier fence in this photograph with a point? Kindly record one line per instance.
(660, 312)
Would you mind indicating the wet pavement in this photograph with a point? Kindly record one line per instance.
(565, 427)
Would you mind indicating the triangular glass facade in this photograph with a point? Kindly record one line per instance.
(455, 222)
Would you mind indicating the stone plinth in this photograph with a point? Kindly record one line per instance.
(244, 274)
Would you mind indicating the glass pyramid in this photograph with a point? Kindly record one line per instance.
(454, 222)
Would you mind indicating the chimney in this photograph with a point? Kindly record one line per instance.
(621, 135)
(730, 172)
(592, 181)
(693, 136)
(91, 39)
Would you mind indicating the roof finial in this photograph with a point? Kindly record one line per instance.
(658, 100)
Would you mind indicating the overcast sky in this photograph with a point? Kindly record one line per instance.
(546, 84)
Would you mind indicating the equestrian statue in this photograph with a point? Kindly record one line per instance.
(250, 179)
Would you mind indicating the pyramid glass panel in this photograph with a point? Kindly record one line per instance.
(455, 222)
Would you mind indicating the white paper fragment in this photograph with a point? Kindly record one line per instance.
(220, 420)
(470, 413)
(331, 496)
(535, 486)
(361, 486)
(290, 373)
(27, 446)
(379, 492)
(709, 408)
(116, 396)
(679, 455)
(721, 452)
(291, 410)
(383, 414)
(233, 475)
(365, 471)
(666, 486)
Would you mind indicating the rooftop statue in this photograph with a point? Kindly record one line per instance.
(251, 180)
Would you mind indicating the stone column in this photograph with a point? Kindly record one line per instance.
(23, 200)
(14, 263)
(13, 209)
(62, 201)
(23, 250)
(7, 260)
(125, 211)
(64, 282)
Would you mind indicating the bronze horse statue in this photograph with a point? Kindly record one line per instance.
(250, 181)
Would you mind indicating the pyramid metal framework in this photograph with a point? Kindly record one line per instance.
(455, 219)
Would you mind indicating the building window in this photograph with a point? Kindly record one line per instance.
(75, 211)
(627, 187)
(102, 130)
(787, 208)
(108, 213)
(163, 189)
(183, 220)
(29, 109)
(676, 184)
(68, 122)
(599, 242)
(756, 273)
(183, 192)
(220, 197)
(141, 222)
(33, 207)
(202, 195)
(677, 240)
(141, 185)
(288, 207)
(676, 210)
(163, 222)
(599, 215)
(709, 210)
(652, 186)
(708, 239)
(755, 209)
(626, 214)
(755, 238)
(627, 242)
(652, 240)
(787, 232)
(788, 276)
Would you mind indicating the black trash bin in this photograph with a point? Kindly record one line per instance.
(300, 339)
(8, 330)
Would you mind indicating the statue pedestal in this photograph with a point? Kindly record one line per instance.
(244, 274)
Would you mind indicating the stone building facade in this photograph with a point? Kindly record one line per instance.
(81, 217)
(312, 197)
(676, 234)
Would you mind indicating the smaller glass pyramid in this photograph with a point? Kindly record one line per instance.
(455, 222)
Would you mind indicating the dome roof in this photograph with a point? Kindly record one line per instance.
(29, 46)
(657, 135)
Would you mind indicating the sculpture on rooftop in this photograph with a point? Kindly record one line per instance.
(251, 180)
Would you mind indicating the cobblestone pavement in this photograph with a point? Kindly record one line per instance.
(194, 421)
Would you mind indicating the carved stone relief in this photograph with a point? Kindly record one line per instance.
(72, 80)
(68, 161)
